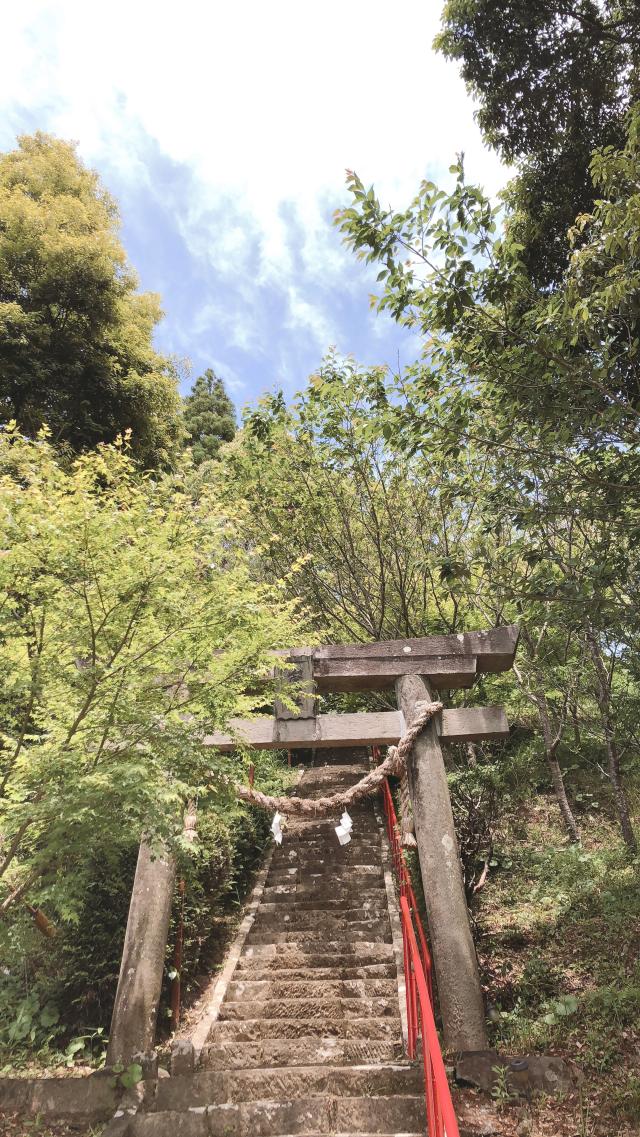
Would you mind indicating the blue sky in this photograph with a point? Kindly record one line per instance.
(224, 131)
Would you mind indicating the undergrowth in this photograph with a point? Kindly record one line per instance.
(559, 939)
(56, 994)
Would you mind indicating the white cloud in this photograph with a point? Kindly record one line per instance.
(232, 380)
(266, 104)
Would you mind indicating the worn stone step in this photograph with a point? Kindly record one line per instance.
(327, 869)
(324, 783)
(325, 1010)
(312, 833)
(330, 954)
(302, 929)
(398, 1114)
(368, 930)
(323, 1052)
(252, 1030)
(311, 972)
(365, 832)
(325, 887)
(197, 1125)
(330, 854)
(327, 780)
(284, 919)
(339, 890)
(335, 770)
(303, 893)
(365, 824)
(355, 989)
(327, 877)
(217, 1087)
(328, 857)
(377, 905)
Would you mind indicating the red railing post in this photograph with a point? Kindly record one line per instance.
(441, 1118)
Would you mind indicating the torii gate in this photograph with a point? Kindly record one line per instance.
(416, 667)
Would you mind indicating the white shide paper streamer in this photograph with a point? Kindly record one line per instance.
(275, 828)
(343, 830)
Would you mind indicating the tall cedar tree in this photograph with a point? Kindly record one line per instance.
(554, 80)
(75, 335)
(209, 417)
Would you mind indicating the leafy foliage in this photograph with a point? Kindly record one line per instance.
(554, 81)
(130, 622)
(75, 336)
(209, 417)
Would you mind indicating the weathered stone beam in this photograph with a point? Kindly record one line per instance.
(380, 728)
(495, 648)
(444, 672)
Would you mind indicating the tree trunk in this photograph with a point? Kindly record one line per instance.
(557, 780)
(133, 1024)
(454, 954)
(603, 698)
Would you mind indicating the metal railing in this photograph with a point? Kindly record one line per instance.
(441, 1118)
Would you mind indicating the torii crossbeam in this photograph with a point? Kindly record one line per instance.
(445, 662)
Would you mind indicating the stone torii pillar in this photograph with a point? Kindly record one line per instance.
(133, 1023)
(454, 956)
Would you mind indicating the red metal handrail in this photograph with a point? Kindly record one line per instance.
(404, 880)
(441, 1118)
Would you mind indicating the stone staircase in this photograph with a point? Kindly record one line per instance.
(308, 1036)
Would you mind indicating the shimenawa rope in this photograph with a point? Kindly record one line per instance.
(393, 765)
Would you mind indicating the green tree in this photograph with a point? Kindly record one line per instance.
(130, 623)
(554, 80)
(209, 417)
(513, 366)
(542, 387)
(363, 524)
(75, 336)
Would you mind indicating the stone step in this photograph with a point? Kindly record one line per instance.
(377, 905)
(313, 832)
(330, 856)
(318, 871)
(323, 1010)
(284, 919)
(313, 824)
(304, 827)
(303, 893)
(355, 989)
(314, 973)
(339, 890)
(218, 1087)
(326, 876)
(328, 781)
(399, 1114)
(252, 1030)
(329, 846)
(274, 1053)
(330, 954)
(351, 933)
(325, 886)
(325, 787)
(335, 769)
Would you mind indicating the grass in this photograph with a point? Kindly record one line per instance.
(559, 945)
